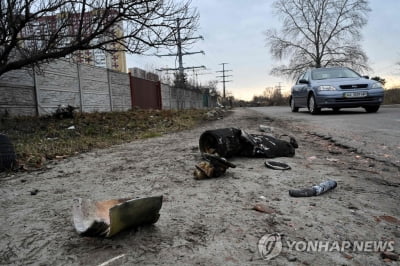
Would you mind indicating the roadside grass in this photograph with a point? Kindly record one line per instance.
(38, 139)
(392, 96)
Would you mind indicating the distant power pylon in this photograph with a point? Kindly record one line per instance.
(224, 76)
(180, 54)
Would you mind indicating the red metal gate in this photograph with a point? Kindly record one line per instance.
(145, 94)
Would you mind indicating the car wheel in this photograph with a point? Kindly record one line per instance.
(312, 105)
(336, 109)
(372, 109)
(292, 106)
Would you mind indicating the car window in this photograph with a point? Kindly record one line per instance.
(301, 76)
(333, 73)
(307, 76)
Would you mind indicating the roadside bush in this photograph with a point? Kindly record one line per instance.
(392, 96)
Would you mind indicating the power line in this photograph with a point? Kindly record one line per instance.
(180, 54)
(196, 74)
(224, 77)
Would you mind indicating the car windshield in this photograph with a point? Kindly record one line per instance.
(333, 73)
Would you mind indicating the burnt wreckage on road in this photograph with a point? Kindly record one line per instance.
(228, 142)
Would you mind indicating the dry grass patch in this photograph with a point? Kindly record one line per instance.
(37, 139)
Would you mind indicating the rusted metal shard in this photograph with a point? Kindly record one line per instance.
(107, 218)
(211, 166)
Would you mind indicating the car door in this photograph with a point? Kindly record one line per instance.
(303, 89)
(298, 92)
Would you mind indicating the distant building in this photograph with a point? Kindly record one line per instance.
(35, 32)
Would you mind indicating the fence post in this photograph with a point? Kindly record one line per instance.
(170, 97)
(109, 89)
(159, 100)
(78, 68)
(36, 91)
(132, 89)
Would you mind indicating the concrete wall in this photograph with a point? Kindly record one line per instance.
(121, 92)
(87, 87)
(57, 84)
(17, 94)
(63, 83)
(94, 87)
(176, 98)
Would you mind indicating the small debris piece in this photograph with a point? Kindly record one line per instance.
(266, 129)
(389, 255)
(277, 165)
(112, 260)
(314, 190)
(263, 208)
(71, 128)
(211, 166)
(387, 218)
(332, 160)
(65, 111)
(291, 258)
(352, 207)
(34, 192)
(347, 256)
(230, 259)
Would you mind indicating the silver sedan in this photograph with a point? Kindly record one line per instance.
(336, 87)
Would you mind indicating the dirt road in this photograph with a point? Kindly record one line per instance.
(209, 222)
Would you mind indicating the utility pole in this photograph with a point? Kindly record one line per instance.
(179, 47)
(196, 75)
(179, 42)
(279, 87)
(224, 78)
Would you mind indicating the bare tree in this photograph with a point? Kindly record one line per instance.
(33, 31)
(318, 33)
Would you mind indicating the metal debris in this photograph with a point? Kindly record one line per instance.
(211, 166)
(277, 165)
(107, 218)
(228, 142)
(266, 129)
(314, 190)
(263, 208)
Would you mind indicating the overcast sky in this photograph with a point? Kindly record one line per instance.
(233, 32)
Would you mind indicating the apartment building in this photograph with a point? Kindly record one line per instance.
(36, 34)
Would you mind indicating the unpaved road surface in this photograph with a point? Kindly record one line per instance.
(208, 222)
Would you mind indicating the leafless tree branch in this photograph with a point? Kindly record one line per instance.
(318, 33)
(33, 31)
